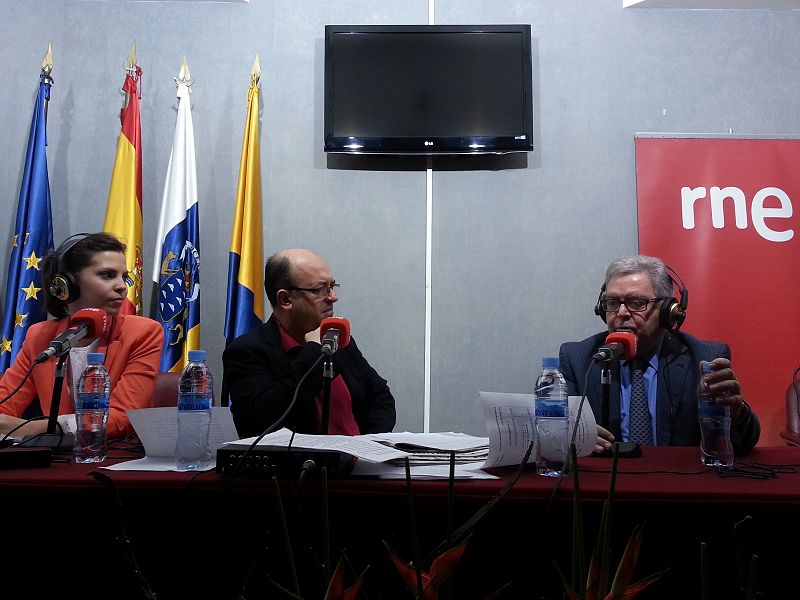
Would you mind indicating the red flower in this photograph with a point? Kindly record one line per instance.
(336, 589)
(441, 568)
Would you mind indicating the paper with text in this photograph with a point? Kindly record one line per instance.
(510, 422)
(157, 429)
(355, 445)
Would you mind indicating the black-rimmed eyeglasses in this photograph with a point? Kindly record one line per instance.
(320, 291)
(632, 304)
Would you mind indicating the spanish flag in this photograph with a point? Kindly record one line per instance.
(124, 208)
(245, 306)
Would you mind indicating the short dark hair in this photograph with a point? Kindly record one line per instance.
(277, 276)
(662, 282)
(72, 258)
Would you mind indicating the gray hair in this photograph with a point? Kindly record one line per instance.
(661, 280)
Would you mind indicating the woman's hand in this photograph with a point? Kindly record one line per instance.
(9, 423)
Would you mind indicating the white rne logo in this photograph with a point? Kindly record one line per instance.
(427, 143)
(758, 212)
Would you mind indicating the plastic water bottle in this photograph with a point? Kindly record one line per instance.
(91, 411)
(195, 395)
(551, 407)
(716, 449)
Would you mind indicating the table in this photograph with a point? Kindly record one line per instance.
(193, 536)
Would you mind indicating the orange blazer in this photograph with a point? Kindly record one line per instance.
(133, 353)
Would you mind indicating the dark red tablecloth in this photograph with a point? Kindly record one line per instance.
(171, 517)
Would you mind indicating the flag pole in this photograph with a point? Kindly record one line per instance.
(131, 67)
(47, 68)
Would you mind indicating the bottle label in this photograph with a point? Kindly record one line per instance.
(711, 409)
(194, 401)
(91, 401)
(553, 409)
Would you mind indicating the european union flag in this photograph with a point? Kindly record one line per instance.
(32, 239)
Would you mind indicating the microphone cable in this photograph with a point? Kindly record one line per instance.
(21, 383)
(578, 414)
(796, 386)
(26, 443)
(274, 425)
(568, 460)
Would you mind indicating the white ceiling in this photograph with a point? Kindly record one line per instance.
(706, 4)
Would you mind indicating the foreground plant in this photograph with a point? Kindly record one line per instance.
(621, 588)
(444, 559)
(599, 567)
(336, 589)
(426, 584)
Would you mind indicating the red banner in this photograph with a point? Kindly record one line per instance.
(720, 212)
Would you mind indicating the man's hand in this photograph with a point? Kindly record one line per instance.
(313, 336)
(604, 439)
(724, 386)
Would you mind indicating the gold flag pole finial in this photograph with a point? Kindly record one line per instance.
(183, 74)
(130, 67)
(47, 61)
(255, 72)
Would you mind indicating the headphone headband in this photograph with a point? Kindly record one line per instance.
(63, 285)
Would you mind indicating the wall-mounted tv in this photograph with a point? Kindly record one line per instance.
(428, 89)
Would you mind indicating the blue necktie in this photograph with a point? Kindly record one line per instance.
(640, 428)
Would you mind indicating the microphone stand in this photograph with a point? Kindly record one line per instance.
(624, 449)
(57, 442)
(605, 395)
(327, 376)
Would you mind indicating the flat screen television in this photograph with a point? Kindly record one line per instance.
(428, 89)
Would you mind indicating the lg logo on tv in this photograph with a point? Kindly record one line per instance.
(758, 212)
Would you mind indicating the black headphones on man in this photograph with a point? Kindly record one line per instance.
(672, 313)
(63, 284)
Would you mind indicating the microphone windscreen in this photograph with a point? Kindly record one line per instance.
(96, 320)
(338, 323)
(628, 341)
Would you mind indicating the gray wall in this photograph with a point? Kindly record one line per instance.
(518, 252)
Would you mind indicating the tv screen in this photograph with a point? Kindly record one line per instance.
(428, 89)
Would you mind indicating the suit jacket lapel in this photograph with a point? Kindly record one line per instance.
(272, 340)
(674, 364)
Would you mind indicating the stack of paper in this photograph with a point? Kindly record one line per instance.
(436, 448)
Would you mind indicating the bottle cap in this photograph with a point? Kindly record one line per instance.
(197, 355)
(95, 358)
(705, 366)
(549, 362)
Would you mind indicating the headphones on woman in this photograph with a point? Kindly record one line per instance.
(672, 313)
(63, 285)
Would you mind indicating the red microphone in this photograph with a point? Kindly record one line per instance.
(87, 322)
(334, 333)
(619, 344)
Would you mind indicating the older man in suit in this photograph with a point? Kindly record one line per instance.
(653, 397)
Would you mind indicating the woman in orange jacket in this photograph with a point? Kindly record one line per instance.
(85, 271)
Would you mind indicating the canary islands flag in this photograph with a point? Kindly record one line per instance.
(245, 305)
(124, 208)
(32, 238)
(177, 260)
